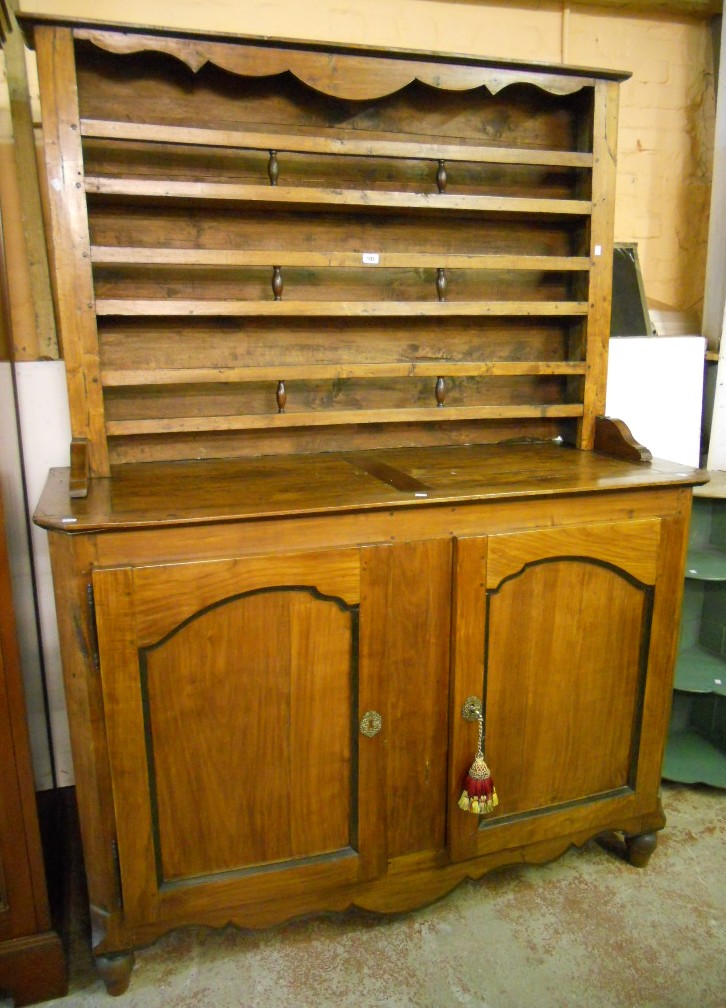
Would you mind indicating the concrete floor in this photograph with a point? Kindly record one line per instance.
(587, 931)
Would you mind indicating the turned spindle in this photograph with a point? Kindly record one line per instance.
(441, 177)
(277, 282)
(281, 396)
(441, 284)
(273, 168)
(440, 392)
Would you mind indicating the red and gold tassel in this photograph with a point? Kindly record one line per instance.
(479, 795)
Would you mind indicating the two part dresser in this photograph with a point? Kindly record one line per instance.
(335, 324)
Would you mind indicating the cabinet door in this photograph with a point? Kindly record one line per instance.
(231, 706)
(553, 631)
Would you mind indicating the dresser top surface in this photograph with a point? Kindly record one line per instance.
(187, 493)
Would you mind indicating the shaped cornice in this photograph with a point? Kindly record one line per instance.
(343, 72)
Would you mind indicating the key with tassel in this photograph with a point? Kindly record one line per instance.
(479, 794)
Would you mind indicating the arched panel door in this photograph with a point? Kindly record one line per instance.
(231, 693)
(553, 633)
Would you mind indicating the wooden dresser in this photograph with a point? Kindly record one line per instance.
(335, 324)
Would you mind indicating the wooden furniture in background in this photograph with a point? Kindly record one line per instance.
(335, 325)
(32, 962)
(35, 331)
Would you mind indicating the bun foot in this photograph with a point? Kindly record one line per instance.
(115, 971)
(639, 848)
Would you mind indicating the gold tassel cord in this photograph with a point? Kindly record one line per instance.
(479, 794)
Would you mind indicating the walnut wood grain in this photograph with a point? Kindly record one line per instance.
(329, 144)
(603, 764)
(113, 378)
(416, 692)
(362, 74)
(299, 681)
(632, 548)
(32, 961)
(71, 561)
(104, 255)
(43, 342)
(310, 196)
(613, 437)
(80, 467)
(71, 244)
(419, 549)
(388, 334)
(600, 279)
(207, 490)
(337, 309)
(167, 425)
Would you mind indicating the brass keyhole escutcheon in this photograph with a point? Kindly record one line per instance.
(471, 709)
(371, 723)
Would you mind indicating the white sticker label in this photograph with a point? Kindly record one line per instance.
(598, 250)
(371, 258)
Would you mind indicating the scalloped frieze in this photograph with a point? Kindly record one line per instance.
(341, 75)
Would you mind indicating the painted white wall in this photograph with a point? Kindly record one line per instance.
(655, 386)
(46, 434)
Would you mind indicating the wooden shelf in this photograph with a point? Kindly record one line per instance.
(137, 255)
(225, 234)
(706, 563)
(315, 309)
(329, 144)
(115, 378)
(310, 197)
(700, 671)
(692, 759)
(181, 425)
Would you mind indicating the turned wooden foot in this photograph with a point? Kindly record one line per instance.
(639, 848)
(115, 971)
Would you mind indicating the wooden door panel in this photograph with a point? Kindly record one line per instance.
(159, 612)
(562, 682)
(552, 630)
(248, 715)
(232, 737)
(630, 546)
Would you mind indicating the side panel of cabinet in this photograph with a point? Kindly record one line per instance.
(231, 698)
(554, 632)
(17, 909)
